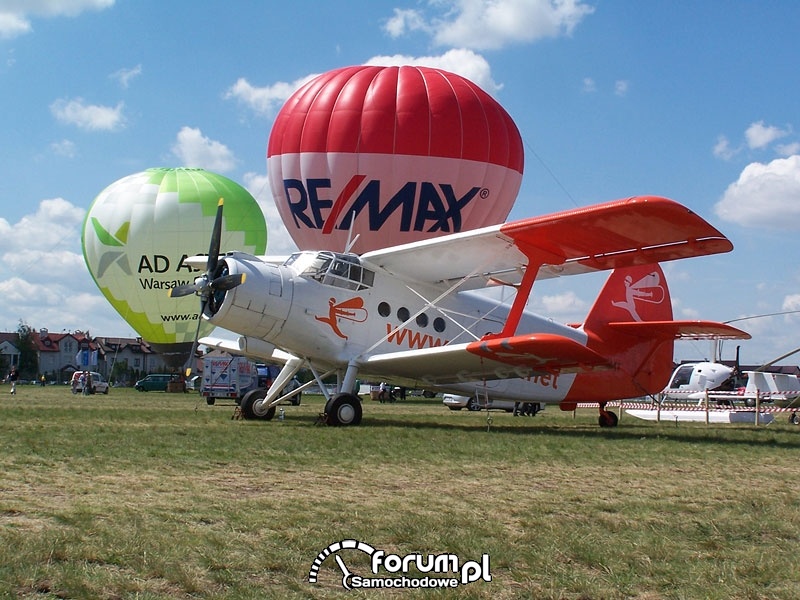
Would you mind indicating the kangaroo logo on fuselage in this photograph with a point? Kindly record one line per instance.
(350, 310)
(647, 289)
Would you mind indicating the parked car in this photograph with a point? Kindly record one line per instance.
(98, 384)
(455, 402)
(155, 382)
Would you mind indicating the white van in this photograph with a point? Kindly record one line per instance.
(98, 386)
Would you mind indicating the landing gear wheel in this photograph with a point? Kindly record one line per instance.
(343, 409)
(254, 407)
(794, 419)
(607, 419)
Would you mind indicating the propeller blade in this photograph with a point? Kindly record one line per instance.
(216, 240)
(228, 282)
(183, 290)
(204, 286)
(191, 362)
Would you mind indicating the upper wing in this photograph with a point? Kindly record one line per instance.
(640, 230)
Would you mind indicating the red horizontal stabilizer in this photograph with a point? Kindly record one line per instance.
(541, 352)
(691, 330)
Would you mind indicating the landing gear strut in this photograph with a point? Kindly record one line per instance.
(607, 418)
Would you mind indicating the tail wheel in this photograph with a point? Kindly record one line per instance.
(794, 419)
(607, 419)
(343, 409)
(254, 407)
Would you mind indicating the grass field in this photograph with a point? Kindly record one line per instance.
(157, 495)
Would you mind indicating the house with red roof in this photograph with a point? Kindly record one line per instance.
(61, 354)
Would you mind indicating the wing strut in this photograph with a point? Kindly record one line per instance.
(536, 258)
(444, 294)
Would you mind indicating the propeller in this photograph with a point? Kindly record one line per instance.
(215, 279)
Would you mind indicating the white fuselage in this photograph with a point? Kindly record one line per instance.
(335, 313)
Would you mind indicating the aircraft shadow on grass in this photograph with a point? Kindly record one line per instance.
(762, 437)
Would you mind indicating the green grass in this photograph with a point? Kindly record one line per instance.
(157, 495)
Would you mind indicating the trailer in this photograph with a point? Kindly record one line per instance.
(227, 377)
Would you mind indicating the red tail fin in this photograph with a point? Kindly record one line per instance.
(643, 362)
(632, 294)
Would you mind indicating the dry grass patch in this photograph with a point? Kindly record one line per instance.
(160, 496)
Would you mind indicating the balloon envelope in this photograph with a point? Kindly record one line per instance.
(391, 155)
(139, 230)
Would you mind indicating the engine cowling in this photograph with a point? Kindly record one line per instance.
(260, 305)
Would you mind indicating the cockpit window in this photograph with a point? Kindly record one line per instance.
(682, 376)
(333, 268)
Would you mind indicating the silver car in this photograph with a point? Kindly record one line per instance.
(455, 402)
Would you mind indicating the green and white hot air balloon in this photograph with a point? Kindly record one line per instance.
(138, 233)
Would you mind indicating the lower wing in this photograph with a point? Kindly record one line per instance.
(500, 358)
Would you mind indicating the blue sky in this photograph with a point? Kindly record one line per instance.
(694, 101)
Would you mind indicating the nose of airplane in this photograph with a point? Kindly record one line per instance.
(212, 285)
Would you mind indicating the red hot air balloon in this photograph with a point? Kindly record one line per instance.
(391, 155)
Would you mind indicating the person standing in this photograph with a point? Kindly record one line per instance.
(13, 376)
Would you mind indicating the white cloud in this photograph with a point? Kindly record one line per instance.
(44, 280)
(268, 100)
(757, 136)
(791, 302)
(55, 220)
(760, 136)
(489, 25)
(589, 85)
(15, 15)
(765, 195)
(567, 303)
(279, 242)
(404, 21)
(621, 87)
(463, 62)
(723, 150)
(690, 313)
(13, 25)
(265, 101)
(64, 148)
(125, 76)
(39, 253)
(788, 149)
(16, 291)
(193, 149)
(91, 117)
(51, 264)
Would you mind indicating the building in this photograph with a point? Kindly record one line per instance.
(59, 355)
(122, 358)
(9, 353)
